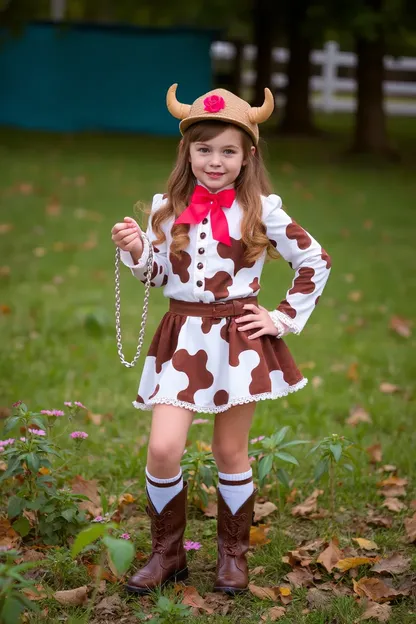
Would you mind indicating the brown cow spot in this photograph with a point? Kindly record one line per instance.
(165, 280)
(164, 196)
(274, 355)
(181, 265)
(255, 285)
(286, 308)
(208, 322)
(273, 242)
(219, 284)
(155, 249)
(303, 282)
(221, 397)
(317, 300)
(295, 232)
(139, 399)
(195, 367)
(156, 390)
(327, 258)
(162, 348)
(235, 253)
(155, 271)
(161, 268)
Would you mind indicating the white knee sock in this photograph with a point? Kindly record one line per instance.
(161, 491)
(236, 488)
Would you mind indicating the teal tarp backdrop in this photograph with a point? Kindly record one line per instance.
(81, 77)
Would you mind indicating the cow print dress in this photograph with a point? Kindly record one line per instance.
(205, 364)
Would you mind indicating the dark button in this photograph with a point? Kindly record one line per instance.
(199, 283)
(201, 250)
(199, 265)
(205, 221)
(203, 235)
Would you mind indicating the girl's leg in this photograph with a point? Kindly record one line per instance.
(167, 500)
(168, 433)
(230, 449)
(236, 496)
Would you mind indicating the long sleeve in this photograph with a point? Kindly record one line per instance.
(311, 263)
(160, 260)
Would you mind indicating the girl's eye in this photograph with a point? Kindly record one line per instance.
(204, 150)
(229, 151)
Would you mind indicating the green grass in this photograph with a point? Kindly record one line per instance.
(58, 337)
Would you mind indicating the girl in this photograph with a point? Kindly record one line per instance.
(216, 350)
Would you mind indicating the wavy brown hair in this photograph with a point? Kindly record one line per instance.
(251, 182)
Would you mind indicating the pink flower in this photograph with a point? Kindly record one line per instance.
(79, 404)
(79, 434)
(98, 519)
(254, 440)
(40, 432)
(53, 412)
(214, 103)
(17, 403)
(4, 443)
(125, 536)
(251, 459)
(22, 439)
(200, 421)
(68, 403)
(192, 545)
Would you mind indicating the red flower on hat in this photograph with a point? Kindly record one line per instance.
(214, 103)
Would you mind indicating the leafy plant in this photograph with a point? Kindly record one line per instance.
(167, 612)
(271, 451)
(198, 469)
(334, 454)
(12, 600)
(53, 510)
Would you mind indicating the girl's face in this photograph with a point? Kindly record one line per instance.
(217, 162)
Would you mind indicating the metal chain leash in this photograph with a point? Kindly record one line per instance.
(149, 267)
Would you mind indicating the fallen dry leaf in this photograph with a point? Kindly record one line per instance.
(354, 562)
(358, 415)
(257, 570)
(330, 556)
(388, 468)
(388, 388)
(374, 520)
(88, 488)
(395, 564)
(365, 544)
(380, 612)
(301, 556)
(5, 228)
(30, 555)
(410, 525)
(355, 295)
(273, 614)
(211, 510)
(77, 596)
(109, 606)
(258, 535)
(401, 326)
(394, 504)
(391, 491)
(192, 599)
(392, 480)
(264, 593)
(352, 372)
(308, 506)
(95, 570)
(375, 453)
(33, 595)
(317, 598)
(300, 577)
(262, 510)
(8, 536)
(374, 589)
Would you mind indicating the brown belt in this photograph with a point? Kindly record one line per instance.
(217, 309)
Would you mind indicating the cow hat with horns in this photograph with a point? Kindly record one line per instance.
(221, 105)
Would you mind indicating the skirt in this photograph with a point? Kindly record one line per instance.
(200, 361)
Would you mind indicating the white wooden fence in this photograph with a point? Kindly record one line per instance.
(330, 92)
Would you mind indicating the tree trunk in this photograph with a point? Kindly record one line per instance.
(370, 134)
(263, 14)
(297, 114)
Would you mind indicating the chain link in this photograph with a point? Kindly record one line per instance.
(149, 267)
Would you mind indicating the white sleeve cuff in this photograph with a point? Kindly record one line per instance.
(126, 258)
(283, 323)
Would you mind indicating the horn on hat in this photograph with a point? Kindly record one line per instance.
(261, 113)
(178, 110)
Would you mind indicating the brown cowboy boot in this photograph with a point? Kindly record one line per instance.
(233, 543)
(168, 559)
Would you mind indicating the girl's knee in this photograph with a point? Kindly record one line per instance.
(228, 456)
(164, 452)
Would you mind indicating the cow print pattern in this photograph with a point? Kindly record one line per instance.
(181, 265)
(235, 252)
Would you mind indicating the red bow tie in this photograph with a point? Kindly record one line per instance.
(202, 202)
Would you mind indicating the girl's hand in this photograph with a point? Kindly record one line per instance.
(260, 320)
(127, 236)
